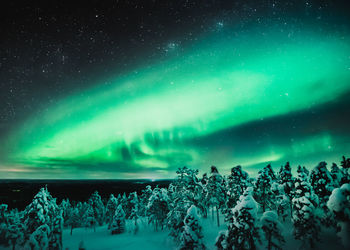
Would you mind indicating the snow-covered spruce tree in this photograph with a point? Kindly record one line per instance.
(287, 181)
(262, 189)
(321, 181)
(301, 183)
(144, 199)
(95, 210)
(191, 237)
(74, 219)
(201, 200)
(15, 230)
(189, 187)
(272, 229)
(134, 215)
(322, 184)
(83, 213)
(305, 218)
(128, 205)
(66, 208)
(337, 175)
(283, 204)
(237, 182)
(339, 204)
(286, 178)
(39, 239)
(205, 179)
(118, 223)
(345, 164)
(3, 224)
(278, 200)
(41, 211)
(178, 207)
(204, 194)
(55, 242)
(158, 208)
(186, 178)
(216, 195)
(270, 172)
(185, 191)
(124, 202)
(111, 206)
(243, 232)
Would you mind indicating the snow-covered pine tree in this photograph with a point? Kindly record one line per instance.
(270, 172)
(287, 181)
(144, 199)
(74, 220)
(186, 190)
(128, 205)
(237, 182)
(158, 208)
(205, 179)
(95, 210)
(111, 206)
(39, 239)
(277, 197)
(216, 195)
(3, 224)
(55, 236)
(345, 164)
(191, 238)
(134, 215)
(322, 184)
(283, 204)
(339, 204)
(286, 178)
(118, 223)
(337, 175)
(40, 211)
(306, 171)
(203, 205)
(83, 213)
(66, 208)
(188, 184)
(178, 207)
(186, 178)
(124, 202)
(15, 230)
(272, 229)
(305, 219)
(262, 189)
(243, 232)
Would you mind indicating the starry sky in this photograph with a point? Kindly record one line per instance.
(136, 89)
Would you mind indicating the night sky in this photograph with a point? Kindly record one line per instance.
(136, 89)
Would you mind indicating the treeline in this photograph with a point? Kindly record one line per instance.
(253, 209)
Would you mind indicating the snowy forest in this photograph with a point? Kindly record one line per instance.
(247, 213)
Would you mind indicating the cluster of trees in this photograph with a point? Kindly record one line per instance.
(39, 226)
(253, 209)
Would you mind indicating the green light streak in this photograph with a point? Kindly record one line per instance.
(145, 116)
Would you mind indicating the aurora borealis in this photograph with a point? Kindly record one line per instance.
(268, 93)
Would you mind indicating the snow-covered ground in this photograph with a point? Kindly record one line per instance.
(147, 238)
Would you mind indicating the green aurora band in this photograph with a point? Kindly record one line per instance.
(141, 125)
